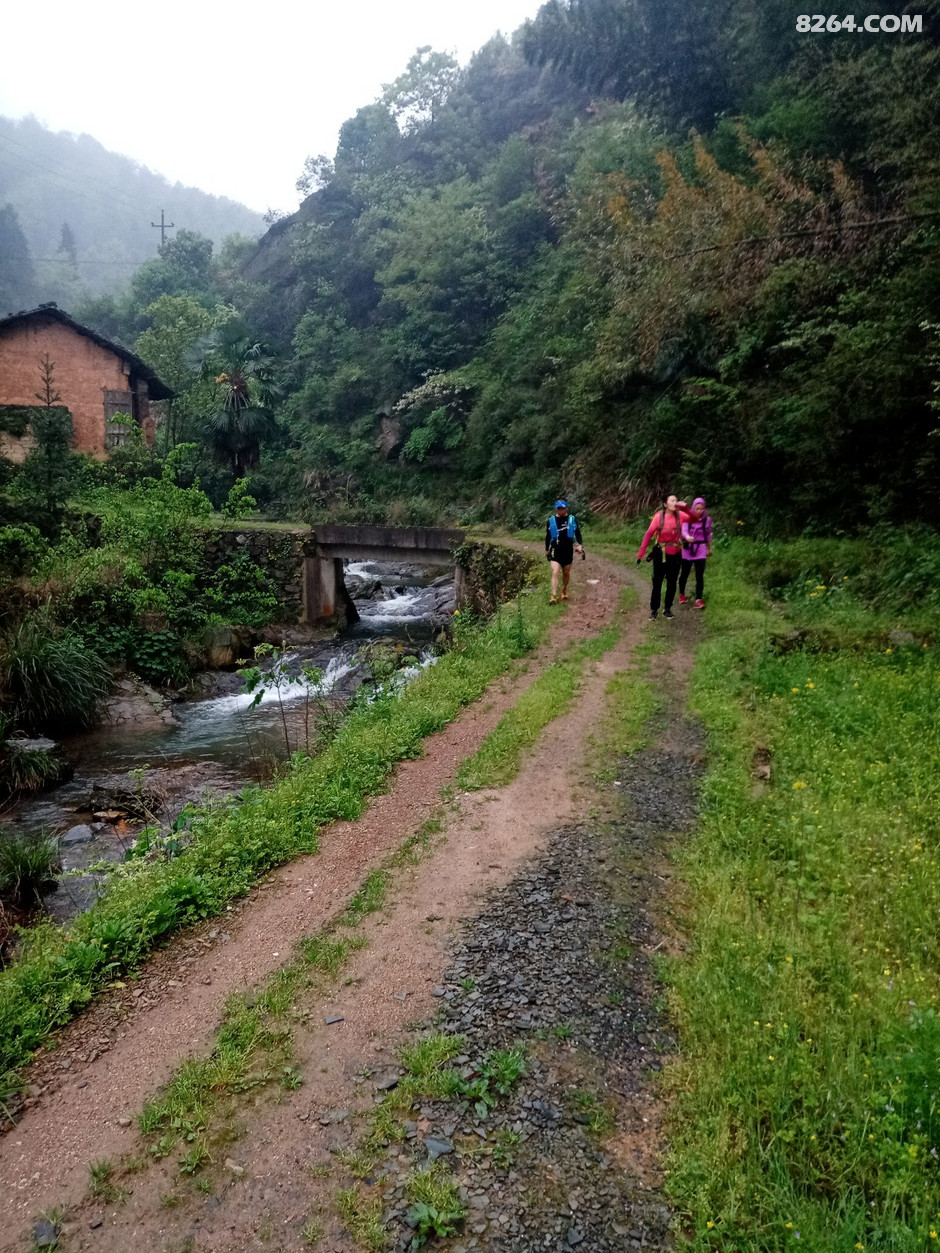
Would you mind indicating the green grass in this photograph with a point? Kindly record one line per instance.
(103, 1186)
(59, 969)
(435, 1207)
(807, 1095)
(429, 1077)
(593, 1111)
(362, 1218)
(630, 701)
(28, 866)
(499, 757)
(369, 898)
(253, 1048)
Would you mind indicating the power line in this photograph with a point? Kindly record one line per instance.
(108, 198)
(82, 261)
(819, 230)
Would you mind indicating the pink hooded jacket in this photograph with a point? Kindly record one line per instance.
(696, 533)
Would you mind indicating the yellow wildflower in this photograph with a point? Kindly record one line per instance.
(798, 785)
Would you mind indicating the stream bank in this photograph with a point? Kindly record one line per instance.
(159, 752)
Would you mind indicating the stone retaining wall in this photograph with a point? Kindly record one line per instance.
(489, 574)
(280, 554)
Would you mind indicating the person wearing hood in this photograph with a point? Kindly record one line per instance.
(696, 547)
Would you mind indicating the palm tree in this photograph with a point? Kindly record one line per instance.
(243, 370)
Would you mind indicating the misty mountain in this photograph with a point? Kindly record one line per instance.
(86, 214)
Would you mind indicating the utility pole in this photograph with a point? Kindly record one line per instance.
(162, 226)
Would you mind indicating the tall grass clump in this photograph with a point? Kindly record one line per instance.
(28, 867)
(807, 1095)
(233, 844)
(23, 768)
(50, 679)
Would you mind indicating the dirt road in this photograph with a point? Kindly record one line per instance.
(89, 1089)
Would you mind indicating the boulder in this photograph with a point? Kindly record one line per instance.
(19, 744)
(81, 834)
(137, 703)
(390, 436)
(226, 646)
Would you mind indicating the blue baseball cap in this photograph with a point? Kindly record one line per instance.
(561, 504)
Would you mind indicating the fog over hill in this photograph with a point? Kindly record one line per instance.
(76, 219)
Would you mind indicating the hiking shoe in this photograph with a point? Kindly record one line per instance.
(683, 599)
(553, 600)
(564, 596)
(654, 614)
(699, 604)
(668, 614)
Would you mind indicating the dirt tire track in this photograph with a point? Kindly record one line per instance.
(44, 1161)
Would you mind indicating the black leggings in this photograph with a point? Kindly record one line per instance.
(687, 564)
(664, 567)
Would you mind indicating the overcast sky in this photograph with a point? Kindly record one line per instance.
(227, 97)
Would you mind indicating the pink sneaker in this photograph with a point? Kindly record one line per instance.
(683, 599)
(699, 604)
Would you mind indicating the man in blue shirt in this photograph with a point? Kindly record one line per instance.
(562, 539)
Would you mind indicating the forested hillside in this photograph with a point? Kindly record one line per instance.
(635, 247)
(75, 218)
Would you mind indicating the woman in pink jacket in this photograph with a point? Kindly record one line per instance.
(696, 547)
(665, 534)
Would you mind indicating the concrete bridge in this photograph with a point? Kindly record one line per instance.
(325, 596)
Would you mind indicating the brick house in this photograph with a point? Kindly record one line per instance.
(94, 377)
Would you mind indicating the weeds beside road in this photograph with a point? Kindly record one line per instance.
(807, 1093)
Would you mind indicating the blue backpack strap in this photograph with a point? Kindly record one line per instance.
(572, 526)
(553, 527)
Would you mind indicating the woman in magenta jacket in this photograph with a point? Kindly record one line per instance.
(696, 547)
(665, 533)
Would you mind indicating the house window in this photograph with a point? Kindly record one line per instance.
(117, 404)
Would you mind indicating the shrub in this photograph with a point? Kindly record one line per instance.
(242, 593)
(20, 548)
(28, 865)
(49, 677)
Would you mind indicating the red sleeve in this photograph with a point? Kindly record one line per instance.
(650, 532)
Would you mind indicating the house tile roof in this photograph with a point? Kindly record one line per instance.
(157, 390)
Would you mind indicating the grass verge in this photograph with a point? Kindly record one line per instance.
(806, 1097)
(630, 701)
(59, 969)
(499, 757)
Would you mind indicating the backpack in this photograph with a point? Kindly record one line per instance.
(553, 527)
(706, 524)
